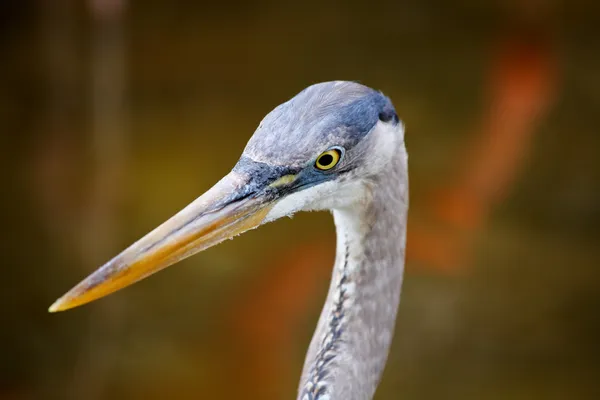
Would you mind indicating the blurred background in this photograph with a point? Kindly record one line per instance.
(115, 114)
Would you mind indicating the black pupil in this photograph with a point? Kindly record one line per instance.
(326, 159)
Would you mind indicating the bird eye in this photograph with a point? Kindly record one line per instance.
(328, 159)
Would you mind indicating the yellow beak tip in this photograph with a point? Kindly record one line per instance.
(57, 306)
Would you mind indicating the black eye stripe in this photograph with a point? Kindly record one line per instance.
(388, 115)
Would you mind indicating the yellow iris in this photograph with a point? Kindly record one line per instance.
(328, 159)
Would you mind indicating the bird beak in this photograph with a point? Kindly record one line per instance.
(226, 210)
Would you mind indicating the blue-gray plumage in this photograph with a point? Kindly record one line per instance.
(322, 114)
(335, 146)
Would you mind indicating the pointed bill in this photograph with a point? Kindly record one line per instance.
(223, 212)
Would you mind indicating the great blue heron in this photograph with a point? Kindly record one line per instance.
(335, 146)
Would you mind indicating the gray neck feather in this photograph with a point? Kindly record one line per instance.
(349, 349)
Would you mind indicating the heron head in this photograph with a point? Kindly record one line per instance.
(317, 151)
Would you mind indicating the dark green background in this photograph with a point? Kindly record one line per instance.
(83, 176)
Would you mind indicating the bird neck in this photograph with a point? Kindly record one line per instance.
(349, 349)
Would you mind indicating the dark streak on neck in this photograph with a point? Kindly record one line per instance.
(316, 386)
